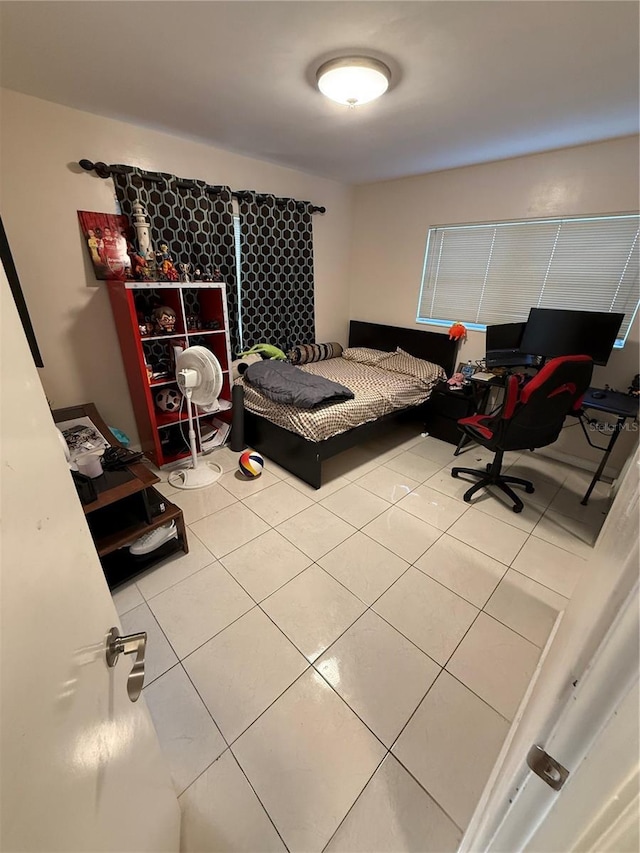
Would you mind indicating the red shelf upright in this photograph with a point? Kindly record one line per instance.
(201, 318)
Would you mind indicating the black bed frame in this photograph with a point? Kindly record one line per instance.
(304, 458)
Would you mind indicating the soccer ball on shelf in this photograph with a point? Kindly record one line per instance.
(168, 400)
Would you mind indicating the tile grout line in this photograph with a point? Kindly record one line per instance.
(228, 744)
(399, 735)
(352, 806)
(502, 577)
(367, 607)
(533, 580)
(158, 677)
(501, 622)
(217, 633)
(239, 546)
(216, 559)
(266, 811)
(316, 503)
(239, 766)
(155, 595)
(311, 665)
(169, 643)
(314, 668)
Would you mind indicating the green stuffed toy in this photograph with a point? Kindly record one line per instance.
(265, 350)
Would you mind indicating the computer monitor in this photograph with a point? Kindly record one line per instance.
(551, 332)
(505, 336)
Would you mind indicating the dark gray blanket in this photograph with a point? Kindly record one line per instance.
(284, 383)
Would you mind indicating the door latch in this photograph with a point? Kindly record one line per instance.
(129, 644)
(547, 768)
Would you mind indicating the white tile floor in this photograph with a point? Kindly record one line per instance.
(337, 669)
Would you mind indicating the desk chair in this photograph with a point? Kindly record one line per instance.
(531, 416)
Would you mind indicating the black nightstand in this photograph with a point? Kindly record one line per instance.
(445, 408)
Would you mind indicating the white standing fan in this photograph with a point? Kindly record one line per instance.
(199, 378)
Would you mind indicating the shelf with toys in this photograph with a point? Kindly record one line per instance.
(154, 321)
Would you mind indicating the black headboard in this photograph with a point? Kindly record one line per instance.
(432, 346)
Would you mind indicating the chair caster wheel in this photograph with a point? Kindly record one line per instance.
(454, 474)
(518, 509)
(466, 499)
(487, 467)
(529, 490)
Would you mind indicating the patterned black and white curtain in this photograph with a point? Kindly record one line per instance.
(277, 300)
(194, 219)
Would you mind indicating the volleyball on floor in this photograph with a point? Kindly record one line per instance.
(250, 464)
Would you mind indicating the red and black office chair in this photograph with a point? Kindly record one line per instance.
(531, 416)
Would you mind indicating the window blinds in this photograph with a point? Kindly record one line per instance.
(496, 272)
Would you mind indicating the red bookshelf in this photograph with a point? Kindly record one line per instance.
(202, 319)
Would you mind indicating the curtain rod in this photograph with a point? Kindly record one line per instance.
(102, 170)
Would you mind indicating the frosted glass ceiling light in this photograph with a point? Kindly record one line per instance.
(353, 80)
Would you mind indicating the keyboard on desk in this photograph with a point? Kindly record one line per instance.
(510, 358)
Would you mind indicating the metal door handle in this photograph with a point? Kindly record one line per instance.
(547, 768)
(129, 644)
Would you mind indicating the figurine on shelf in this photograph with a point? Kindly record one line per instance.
(212, 325)
(163, 253)
(164, 320)
(197, 274)
(142, 323)
(151, 270)
(166, 267)
(139, 269)
(185, 269)
(143, 234)
(217, 275)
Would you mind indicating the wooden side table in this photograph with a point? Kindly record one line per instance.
(126, 507)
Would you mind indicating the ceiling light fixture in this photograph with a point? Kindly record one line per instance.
(353, 80)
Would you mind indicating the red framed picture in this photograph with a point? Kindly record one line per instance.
(107, 237)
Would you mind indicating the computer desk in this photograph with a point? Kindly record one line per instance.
(624, 406)
(482, 389)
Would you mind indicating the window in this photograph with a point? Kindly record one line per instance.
(495, 272)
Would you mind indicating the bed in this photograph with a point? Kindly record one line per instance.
(300, 440)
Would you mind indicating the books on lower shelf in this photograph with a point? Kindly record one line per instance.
(214, 434)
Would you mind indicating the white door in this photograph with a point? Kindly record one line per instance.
(81, 767)
(586, 675)
(598, 807)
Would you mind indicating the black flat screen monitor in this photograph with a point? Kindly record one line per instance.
(551, 332)
(505, 336)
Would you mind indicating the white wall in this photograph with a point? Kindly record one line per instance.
(42, 188)
(392, 218)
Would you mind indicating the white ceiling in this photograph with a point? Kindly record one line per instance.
(473, 81)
